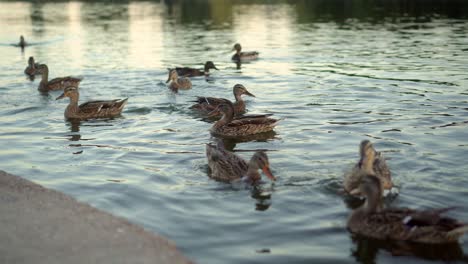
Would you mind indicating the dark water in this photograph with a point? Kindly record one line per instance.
(337, 72)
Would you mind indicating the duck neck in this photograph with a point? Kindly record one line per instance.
(252, 172)
(73, 105)
(225, 119)
(371, 205)
(45, 74)
(238, 97)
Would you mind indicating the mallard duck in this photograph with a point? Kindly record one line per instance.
(226, 166)
(57, 83)
(227, 126)
(371, 162)
(92, 109)
(32, 68)
(191, 72)
(427, 226)
(243, 56)
(208, 104)
(177, 82)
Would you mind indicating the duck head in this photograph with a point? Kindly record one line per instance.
(172, 76)
(370, 187)
(226, 108)
(68, 92)
(239, 90)
(31, 61)
(367, 153)
(237, 47)
(210, 65)
(259, 161)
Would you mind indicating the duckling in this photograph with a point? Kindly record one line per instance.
(177, 82)
(243, 56)
(227, 167)
(371, 162)
(208, 104)
(229, 127)
(91, 109)
(192, 72)
(427, 226)
(32, 68)
(57, 83)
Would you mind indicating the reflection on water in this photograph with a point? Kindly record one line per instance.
(336, 72)
(366, 250)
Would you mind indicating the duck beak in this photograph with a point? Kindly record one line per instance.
(249, 94)
(268, 173)
(61, 96)
(168, 79)
(214, 67)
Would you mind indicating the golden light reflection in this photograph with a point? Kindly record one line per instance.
(145, 35)
(76, 34)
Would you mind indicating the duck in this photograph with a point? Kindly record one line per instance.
(91, 109)
(56, 83)
(242, 126)
(401, 224)
(22, 43)
(370, 162)
(32, 68)
(208, 104)
(192, 72)
(226, 166)
(182, 83)
(243, 56)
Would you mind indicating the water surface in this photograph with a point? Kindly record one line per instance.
(335, 73)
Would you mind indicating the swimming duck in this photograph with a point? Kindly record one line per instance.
(208, 104)
(57, 83)
(243, 56)
(427, 226)
(177, 82)
(32, 68)
(191, 72)
(227, 126)
(22, 43)
(371, 162)
(91, 109)
(226, 166)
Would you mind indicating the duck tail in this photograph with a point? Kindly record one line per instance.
(458, 231)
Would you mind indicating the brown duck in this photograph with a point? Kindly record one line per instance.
(192, 72)
(243, 56)
(178, 83)
(428, 226)
(32, 68)
(226, 166)
(229, 127)
(57, 83)
(371, 162)
(92, 109)
(208, 104)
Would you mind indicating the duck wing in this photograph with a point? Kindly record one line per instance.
(224, 165)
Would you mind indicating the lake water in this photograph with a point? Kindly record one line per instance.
(336, 72)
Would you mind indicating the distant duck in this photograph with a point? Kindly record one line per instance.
(57, 83)
(243, 56)
(22, 43)
(227, 167)
(178, 83)
(208, 104)
(91, 109)
(427, 226)
(191, 72)
(229, 127)
(371, 162)
(32, 68)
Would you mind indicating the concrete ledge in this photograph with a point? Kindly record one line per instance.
(39, 225)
